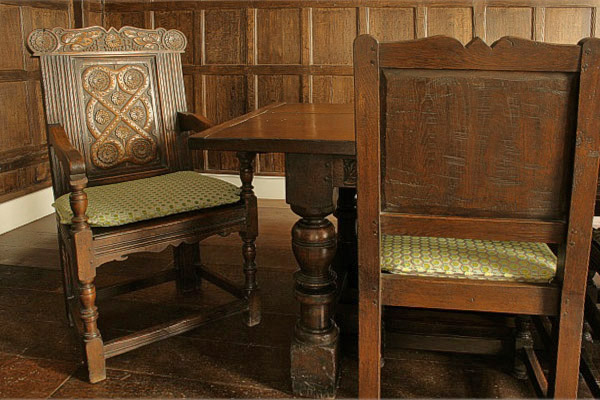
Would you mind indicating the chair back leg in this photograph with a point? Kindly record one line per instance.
(568, 353)
(187, 257)
(369, 343)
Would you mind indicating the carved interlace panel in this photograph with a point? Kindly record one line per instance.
(98, 39)
(119, 114)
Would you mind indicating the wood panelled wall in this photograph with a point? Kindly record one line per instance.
(244, 54)
(23, 151)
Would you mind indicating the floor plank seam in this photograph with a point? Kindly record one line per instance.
(183, 378)
(61, 385)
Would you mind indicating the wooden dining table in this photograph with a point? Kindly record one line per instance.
(319, 146)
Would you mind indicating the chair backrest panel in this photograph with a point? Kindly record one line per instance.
(117, 94)
(477, 143)
(471, 141)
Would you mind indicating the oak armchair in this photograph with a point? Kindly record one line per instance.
(122, 178)
(470, 161)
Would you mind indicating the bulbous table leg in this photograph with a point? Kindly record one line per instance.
(314, 349)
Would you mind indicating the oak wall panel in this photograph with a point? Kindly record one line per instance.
(225, 36)
(226, 99)
(10, 31)
(333, 32)
(390, 24)
(333, 89)
(184, 21)
(509, 21)
(23, 149)
(276, 88)
(34, 18)
(13, 121)
(450, 21)
(567, 25)
(278, 36)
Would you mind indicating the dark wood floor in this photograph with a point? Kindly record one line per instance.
(39, 356)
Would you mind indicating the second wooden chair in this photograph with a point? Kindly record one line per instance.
(470, 160)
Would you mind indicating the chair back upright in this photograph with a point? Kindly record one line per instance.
(117, 94)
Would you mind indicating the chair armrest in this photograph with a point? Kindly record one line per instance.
(69, 157)
(192, 122)
(72, 161)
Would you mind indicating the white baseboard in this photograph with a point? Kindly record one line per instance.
(23, 210)
(265, 187)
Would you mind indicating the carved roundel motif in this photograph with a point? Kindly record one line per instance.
(102, 117)
(133, 79)
(137, 113)
(122, 132)
(174, 40)
(118, 98)
(142, 149)
(43, 41)
(108, 153)
(99, 80)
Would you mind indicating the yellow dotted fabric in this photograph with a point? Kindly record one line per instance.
(467, 259)
(148, 198)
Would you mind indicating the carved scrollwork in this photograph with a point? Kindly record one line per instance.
(119, 115)
(350, 172)
(100, 40)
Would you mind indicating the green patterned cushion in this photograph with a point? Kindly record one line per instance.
(467, 259)
(148, 198)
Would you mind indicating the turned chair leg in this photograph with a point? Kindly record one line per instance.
(187, 257)
(523, 341)
(250, 285)
(92, 341)
(248, 236)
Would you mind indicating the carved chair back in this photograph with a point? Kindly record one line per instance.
(474, 142)
(117, 94)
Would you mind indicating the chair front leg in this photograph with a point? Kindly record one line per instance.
(81, 235)
(248, 236)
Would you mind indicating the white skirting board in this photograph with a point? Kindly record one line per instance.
(23, 210)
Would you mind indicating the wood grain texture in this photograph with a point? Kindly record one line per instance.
(465, 294)
(567, 25)
(278, 36)
(333, 31)
(508, 21)
(457, 129)
(455, 22)
(367, 125)
(391, 24)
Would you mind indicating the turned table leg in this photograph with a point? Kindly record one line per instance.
(314, 349)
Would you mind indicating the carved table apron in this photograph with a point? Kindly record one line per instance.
(318, 142)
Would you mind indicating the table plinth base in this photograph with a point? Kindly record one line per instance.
(314, 369)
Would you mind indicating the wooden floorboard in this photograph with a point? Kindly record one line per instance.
(39, 355)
